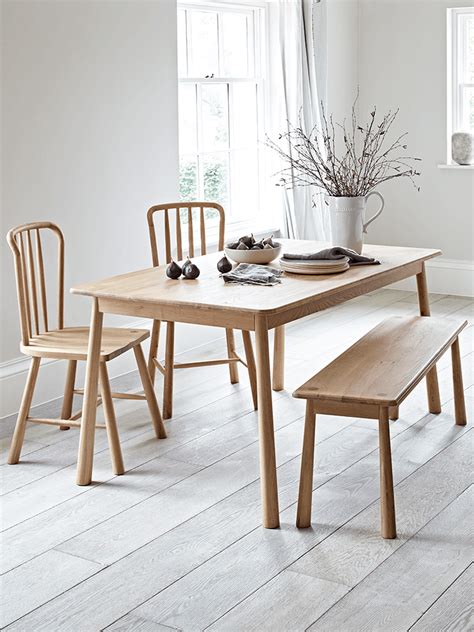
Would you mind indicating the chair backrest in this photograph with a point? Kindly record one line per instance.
(180, 218)
(25, 243)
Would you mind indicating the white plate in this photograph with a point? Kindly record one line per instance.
(309, 270)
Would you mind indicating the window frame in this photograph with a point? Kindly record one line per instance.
(456, 85)
(257, 59)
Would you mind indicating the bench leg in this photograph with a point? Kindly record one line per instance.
(434, 401)
(303, 514)
(387, 502)
(459, 403)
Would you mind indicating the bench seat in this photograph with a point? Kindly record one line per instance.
(386, 364)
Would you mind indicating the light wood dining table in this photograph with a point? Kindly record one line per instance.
(209, 301)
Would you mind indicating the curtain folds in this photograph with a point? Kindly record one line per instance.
(298, 83)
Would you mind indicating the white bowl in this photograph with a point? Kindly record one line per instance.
(261, 256)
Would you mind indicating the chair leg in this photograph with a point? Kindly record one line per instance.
(149, 393)
(249, 356)
(387, 501)
(20, 427)
(68, 396)
(155, 338)
(303, 514)
(169, 372)
(110, 421)
(459, 403)
(233, 370)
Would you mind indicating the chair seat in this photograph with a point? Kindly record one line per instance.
(72, 342)
(386, 364)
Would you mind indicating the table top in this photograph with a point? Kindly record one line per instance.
(153, 286)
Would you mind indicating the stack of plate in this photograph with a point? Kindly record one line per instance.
(315, 266)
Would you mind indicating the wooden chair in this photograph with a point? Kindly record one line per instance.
(378, 372)
(40, 340)
(177, 209)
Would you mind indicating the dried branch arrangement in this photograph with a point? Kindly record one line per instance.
(344, 161)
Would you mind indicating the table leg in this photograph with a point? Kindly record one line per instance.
(434, 402)
(279, 359)
(89, 408)
(268, 475)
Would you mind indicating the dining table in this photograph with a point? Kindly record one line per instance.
(208, 300)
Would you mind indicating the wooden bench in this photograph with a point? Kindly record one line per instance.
(377, 373)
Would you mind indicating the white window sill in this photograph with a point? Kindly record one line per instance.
(452, 165)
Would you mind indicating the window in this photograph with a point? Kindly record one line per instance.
(220, 65)
(461, 69)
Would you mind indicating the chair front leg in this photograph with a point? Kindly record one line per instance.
(20, 427)
(66, 410)
(110, 421)
(153, 353)
(233, 369)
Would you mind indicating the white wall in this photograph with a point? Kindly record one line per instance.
(402, 63)
(89, 124)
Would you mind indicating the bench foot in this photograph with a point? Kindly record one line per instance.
(303, 514)
(387, 502)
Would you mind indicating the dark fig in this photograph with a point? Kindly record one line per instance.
(233, 245)
(224, 265)
(269, 241)
(267, 247)
(173, 271)
(187, 263)
(242, 246)
(191, 271)
(248, 240)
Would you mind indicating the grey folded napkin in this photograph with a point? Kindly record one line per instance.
(333, 254)
(251, 274)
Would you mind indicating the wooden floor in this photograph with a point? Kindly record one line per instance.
(176, 543)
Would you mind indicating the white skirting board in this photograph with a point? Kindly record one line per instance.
(445, 276)
(53, 372)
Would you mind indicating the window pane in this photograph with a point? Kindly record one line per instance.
(244, 114)
(469, 51)
(245, 200)
(187, 118)
(215, 169)
(182, 66)
(203, 56)
(468, 109)
(215, 123)
(188, 178)
(234, 45)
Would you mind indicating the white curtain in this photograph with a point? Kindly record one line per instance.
(297, 61)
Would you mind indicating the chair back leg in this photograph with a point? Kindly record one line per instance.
(233, 370)
(303, 515)
(149, 393)
(387, 501)
(169, 372)
(110, 421)
(153, 353)
(66, 410)
(20, 427)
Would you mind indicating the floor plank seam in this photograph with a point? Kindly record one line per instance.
(439, 596)
(375, 502)
(387, 558)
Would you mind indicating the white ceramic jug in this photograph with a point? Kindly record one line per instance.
(346, 219)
